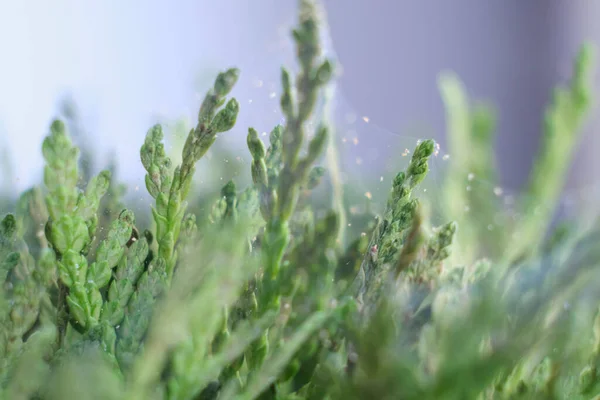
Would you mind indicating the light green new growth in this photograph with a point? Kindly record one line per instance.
(471, 148)
(279, 187)
(170, 188)
(72, 226)
(469, 198)
(563, 121)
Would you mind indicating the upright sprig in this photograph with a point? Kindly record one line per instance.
(390, 234)
(563, 121)
(297, 103)
(468, 197)
(60, 173)
(171, 188)
(72, 225)
(279, 187)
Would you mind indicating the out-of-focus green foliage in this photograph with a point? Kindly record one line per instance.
(253, 293)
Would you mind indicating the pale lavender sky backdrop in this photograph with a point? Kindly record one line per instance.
(126, 62)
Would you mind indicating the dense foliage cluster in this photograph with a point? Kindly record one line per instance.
(260, 298)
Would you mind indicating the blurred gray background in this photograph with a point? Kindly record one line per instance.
(130, 63)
